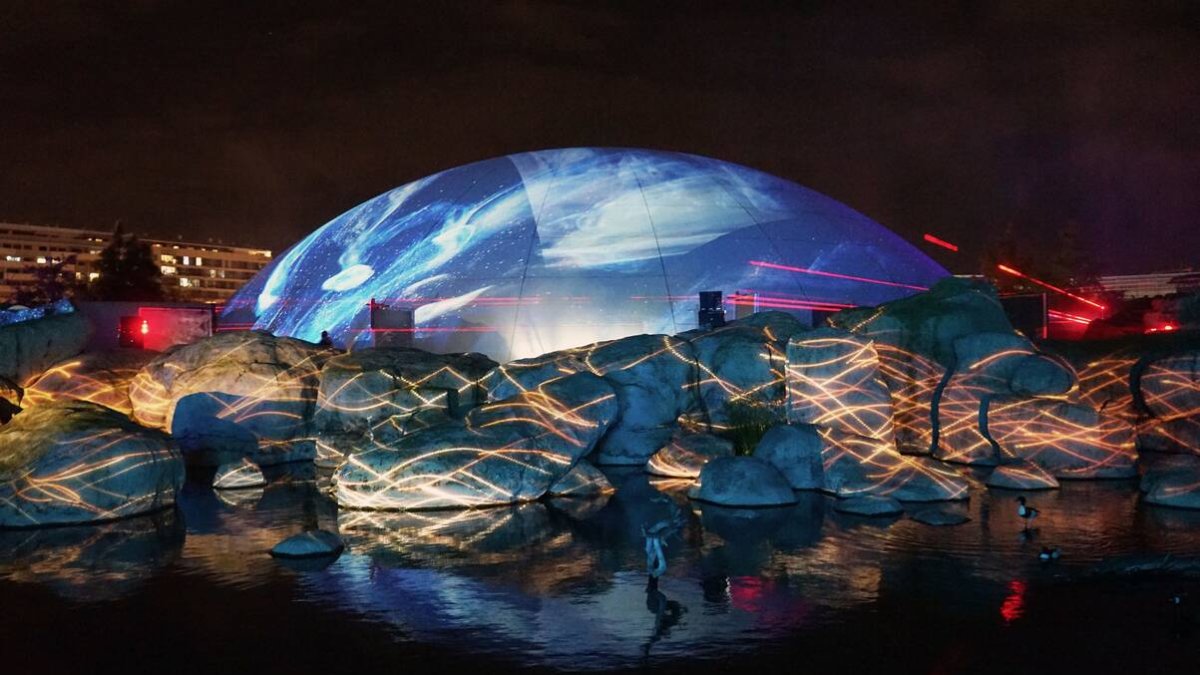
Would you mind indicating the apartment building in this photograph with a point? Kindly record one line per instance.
(191, 272)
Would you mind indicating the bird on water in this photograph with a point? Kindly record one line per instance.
(1026, 513)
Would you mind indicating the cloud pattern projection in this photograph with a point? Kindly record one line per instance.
(524, 254)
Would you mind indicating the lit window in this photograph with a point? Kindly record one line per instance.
(41, 260)
(212, 273)
(185, 282)
(168, 269)
(13, 258)
(186, 260)
(92, 276)
(199, 261)
(167, 258)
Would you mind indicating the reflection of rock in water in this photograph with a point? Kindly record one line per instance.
(579, 508)
(94, 562)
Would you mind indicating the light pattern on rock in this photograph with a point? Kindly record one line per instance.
(1170, 391)
(912, 380)
(743, 481)
(834, 381)
(1173, 482)
(583, 480)
(505, 452)
(100, 377)
(1022, 475)
(860, 465)
(1069, 440)
(1104, 383)
(686, 454)
(77, 462)
(248, 393)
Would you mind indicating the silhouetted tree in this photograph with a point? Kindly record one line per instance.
(50, 284)
(1004, 248)
(1071, 262)
(127, 270)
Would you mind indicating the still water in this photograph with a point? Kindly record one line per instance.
(562, 586)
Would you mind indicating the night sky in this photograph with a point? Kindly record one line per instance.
(257, 122)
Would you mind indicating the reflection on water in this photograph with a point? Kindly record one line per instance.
(563, 583)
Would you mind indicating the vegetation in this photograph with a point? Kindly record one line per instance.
(748, 422)
(50, 284)
(127, 271)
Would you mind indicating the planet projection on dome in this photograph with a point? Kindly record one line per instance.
(524, 254)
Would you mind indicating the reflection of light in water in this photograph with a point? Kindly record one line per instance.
(1014, 605)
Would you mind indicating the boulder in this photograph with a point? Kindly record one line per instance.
(1022, 475)
(1069, 440)
(1104, 382)
(654, 377)
(869, 506)
(651, 375)
(310, 544)
(1170, 392)
(583, 480)
(238, 476)
(940, 517)
(28, 348)
(912, 380)
(244, 393)
(77, 462)
(566, 416)
(859, 465)
(98, 377)
(743, 482)
(834, 380)
(743, 362)
(1173, 482)
(928, 323)
(990, 365)
(796, 452)
(687, 454)
(380, 390)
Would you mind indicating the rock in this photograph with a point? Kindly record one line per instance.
(687, 454)
(940, 517)
(912, 380)
(99, 377)
(987, 366)
(833, 380)
(380, 390)
(859, 465)
(869, 506)
(654, 378)
(311, 544)
(504, 452)
(1069, 440)
(1173, 481)
(1104, 382)
(238, 476)
(28, 348)
(744, 482)
(928, 323)
(567, 416)
(245, 393)
(583, 480)
(1022, 476)
(744, 361)
(651, 375)
(74, 462)
(1170, 391)
(796, 452)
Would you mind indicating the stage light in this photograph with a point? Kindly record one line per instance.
(835, 275)
(941, 242)
(1056, 289)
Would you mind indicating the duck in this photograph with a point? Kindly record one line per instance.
(1026, 513)
(1048, 554)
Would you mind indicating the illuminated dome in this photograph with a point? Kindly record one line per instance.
(524, 254)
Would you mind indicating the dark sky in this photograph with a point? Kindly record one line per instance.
(257, 122)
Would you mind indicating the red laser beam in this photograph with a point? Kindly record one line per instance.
(1056, 289)
(940, 242)
(835, 275)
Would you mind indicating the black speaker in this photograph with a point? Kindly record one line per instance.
(712, 311)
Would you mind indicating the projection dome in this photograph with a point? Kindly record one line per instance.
(520, 255)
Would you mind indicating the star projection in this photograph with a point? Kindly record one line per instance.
(533, 252)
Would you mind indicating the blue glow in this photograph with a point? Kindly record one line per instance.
(524, 254)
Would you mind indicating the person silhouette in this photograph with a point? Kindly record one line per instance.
(325, 340)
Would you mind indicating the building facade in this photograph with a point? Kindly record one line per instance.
(191, 272)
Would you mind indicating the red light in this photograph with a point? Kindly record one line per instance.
(940, 242)
(1056, 289)
(1168, 327)
(145, 327)
(805, 270)
(1014, 605)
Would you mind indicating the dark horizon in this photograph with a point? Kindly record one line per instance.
(257, 125)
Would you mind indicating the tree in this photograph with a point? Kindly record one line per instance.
(127, 270)
(1005, 249)
(1071, 264)
(50, 284)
